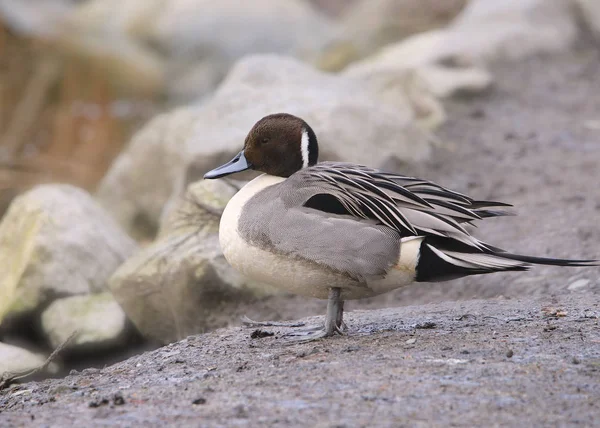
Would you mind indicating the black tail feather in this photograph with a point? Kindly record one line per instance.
(493, 213)
(548, 261)
(441, 259)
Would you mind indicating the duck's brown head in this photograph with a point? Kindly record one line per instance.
(279, 144)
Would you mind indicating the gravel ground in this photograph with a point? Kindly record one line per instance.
(474, 363)
(529, 353)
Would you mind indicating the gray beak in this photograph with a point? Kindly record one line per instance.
(237, 164)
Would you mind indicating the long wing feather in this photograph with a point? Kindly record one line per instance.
(411, 206)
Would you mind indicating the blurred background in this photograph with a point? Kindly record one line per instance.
(111, 111)
(78, 77)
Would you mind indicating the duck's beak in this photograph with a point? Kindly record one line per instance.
(237, 164)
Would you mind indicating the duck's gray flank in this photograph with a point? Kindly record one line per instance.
(278, 221)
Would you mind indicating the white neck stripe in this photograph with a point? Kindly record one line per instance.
(304, 148)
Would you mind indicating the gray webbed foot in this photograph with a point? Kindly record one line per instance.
(334, 323)
(251, 323)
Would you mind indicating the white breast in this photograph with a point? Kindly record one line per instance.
(232, 244)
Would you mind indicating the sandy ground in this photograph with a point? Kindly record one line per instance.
(529, 353)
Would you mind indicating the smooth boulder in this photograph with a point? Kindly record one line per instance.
(488, 31)
(97, 320)
(371, 24)
(453, 60)
(589, 11)
(15, 360)
(203, 38)
(56, 241)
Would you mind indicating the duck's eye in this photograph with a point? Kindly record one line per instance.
(265, 140)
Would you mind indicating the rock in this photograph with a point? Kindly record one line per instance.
(203, 38)
(112, 36)
(182, 284)
(445, 82)
(401, 85)
(33, 18)
(15, 360)
(233, 29)
(589, 11)
(489, 30)
(367, 25)
(371, 24)
(346, 115)
(393, 64)
(141, 179)
(192, 79)
(416, 51)
(181, 48)
(133, 18)
(98, 319)
(56, 241)
(100, 33)
(451, 60)
(332, 8)
(131, 68)
(579, 283)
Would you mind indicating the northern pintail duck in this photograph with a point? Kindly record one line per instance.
(340, 231)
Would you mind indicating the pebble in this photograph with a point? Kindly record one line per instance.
(580, 283)
(118, 399)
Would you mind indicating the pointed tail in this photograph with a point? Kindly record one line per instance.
(548, 261)
(440, 263)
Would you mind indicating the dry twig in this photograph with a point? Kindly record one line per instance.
(9, 378)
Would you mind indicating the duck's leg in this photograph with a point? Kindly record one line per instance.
(339, 320)
(335, 312)
(333, 321)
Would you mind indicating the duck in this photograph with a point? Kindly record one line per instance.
(342, 231)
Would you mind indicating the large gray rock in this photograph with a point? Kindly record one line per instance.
(353, 123)
(98, 319)
(182, 284)
(489, 30)
(389, 70)
(233, 28)
(203, 38)
(371, 24)
(589, 11)
(141, 179)
(56, 241)
(452, 60)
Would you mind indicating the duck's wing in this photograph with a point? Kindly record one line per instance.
(276, 220)
(416, 207)
(410, 206)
